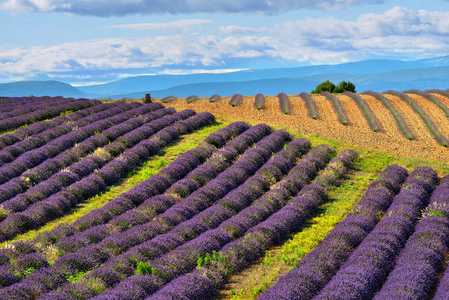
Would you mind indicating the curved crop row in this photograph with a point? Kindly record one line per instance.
(182, 211)
(338, 109)
(149, 203)
(52, 110)
(14, 107)
(233, 208)
(318, 267)
(87, 186)
(310, 105)
(259, 101)
(284, 103)
(367, 267)
(431, 98)
(441, 139)
(276, 227)
(444, 93)
(35, 128)
(125, 122)
(15, 159)
(418, 266)
(366, 111)
(185, 161)
(85, 166)
(188, 235)
(399, 121)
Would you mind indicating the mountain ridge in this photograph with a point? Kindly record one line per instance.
(376, 74)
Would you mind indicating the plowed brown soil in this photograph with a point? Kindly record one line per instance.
(357, 133)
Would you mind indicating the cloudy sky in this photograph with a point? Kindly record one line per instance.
(87, 41)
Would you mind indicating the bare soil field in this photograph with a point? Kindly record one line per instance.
(388, 139)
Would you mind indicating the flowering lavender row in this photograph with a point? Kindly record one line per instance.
(418, 266)
(17, 158)
(310, 104)
(284, 103)
(37, 104)
(439, 137)
(368, 266)
(182, 211)
(365, 109)
(323, 262)
(397, 117)
(146, 193)
(183, 188)
(237, 255)
(30, 130)
(51, 174)
(9, 153)
(88, 186)
(217, 213)
(336, 105)
(45, 113)
(125, 122)
(184, 161)
(259, 101)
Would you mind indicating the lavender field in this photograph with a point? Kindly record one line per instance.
(219, 208)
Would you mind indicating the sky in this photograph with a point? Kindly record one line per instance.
(95, 41)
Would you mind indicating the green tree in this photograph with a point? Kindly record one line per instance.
(330, 87)
(345, 86)
(324, 86)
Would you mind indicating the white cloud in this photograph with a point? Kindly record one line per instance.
(175, 25)
(239, 30)
(126, 7)
(398, 32)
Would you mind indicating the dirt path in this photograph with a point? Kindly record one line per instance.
(357, 133)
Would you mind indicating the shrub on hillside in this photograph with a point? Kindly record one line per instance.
(332, 88)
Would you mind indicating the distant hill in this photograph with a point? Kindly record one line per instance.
(39, 88)
(421, 79)
(377, 75)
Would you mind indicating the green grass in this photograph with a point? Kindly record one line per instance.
(149, 168)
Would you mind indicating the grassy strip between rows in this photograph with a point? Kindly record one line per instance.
(149, 168)
(250, 283)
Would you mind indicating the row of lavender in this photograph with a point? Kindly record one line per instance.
(268, 222)
(29, 184)
(62, 190)
(40, 133)
(15, 106)
(198, 218)
(208, 190)
(394, 259)
(226, 206)
(45, 110)
(153, 186)
(35, 128)
(56, 143)
(158, 183)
